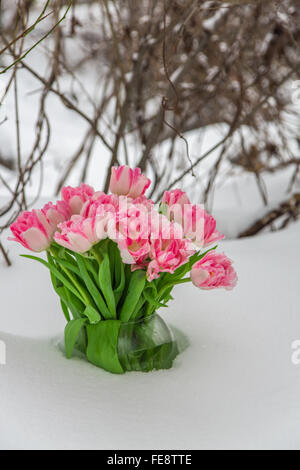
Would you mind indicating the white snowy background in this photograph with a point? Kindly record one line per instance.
(236, 385)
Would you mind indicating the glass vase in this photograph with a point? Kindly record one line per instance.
(142, 345)
(146, 344)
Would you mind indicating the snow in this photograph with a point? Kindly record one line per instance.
(238, 204)
(235, 386)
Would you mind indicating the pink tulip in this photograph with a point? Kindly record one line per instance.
(174, 204)
(147, 203)
(56, 213)
(169, 250)
(29, 230)
(35, 229)
(100, 203)
(133, 222)
(211, 234)
(153, 270)
(214, 271)
(127, 182)
(79, 234)
(132, 233)
(176, 196)
(162, 227)
(134, 252)
(198, 225)
(76, 197)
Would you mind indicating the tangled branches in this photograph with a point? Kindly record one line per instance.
(164, 68)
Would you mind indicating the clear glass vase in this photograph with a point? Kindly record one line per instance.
(142, 345)
(146, 344)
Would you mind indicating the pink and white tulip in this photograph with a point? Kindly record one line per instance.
(214, 271)
(79, 234)
(132, 233)
(147, 203)
(176, 196)
(56, 213)
(198, 225)
(169, 250)
(127, 182)
(76, 197)
(35, 229)
(156, 241)
(100, 203)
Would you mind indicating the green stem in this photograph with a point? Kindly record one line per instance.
(181, 281)
(97, 256)
(84, 297)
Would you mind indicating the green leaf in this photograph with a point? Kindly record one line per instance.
(112, 254)
(138, 311)
(102, 349)
(57, 274)
(165, 297)
(151, 286)
(115, 255)
(119, 274)
(135, 289)
(163, 208)
(74, 304)
(68, 300)
(92, 288)
(155, 303)
(105, 282)
(68, 265)
(65, 310)
(198, 256)
(53, 278)
(89, 264)
(72, 331)
(119, 290)
(92, 314)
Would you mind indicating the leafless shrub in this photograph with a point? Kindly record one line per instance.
(276, 219)
(166, 67)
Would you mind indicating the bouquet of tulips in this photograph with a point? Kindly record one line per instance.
(114, 260)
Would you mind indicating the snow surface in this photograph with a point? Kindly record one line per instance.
(234, 387)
